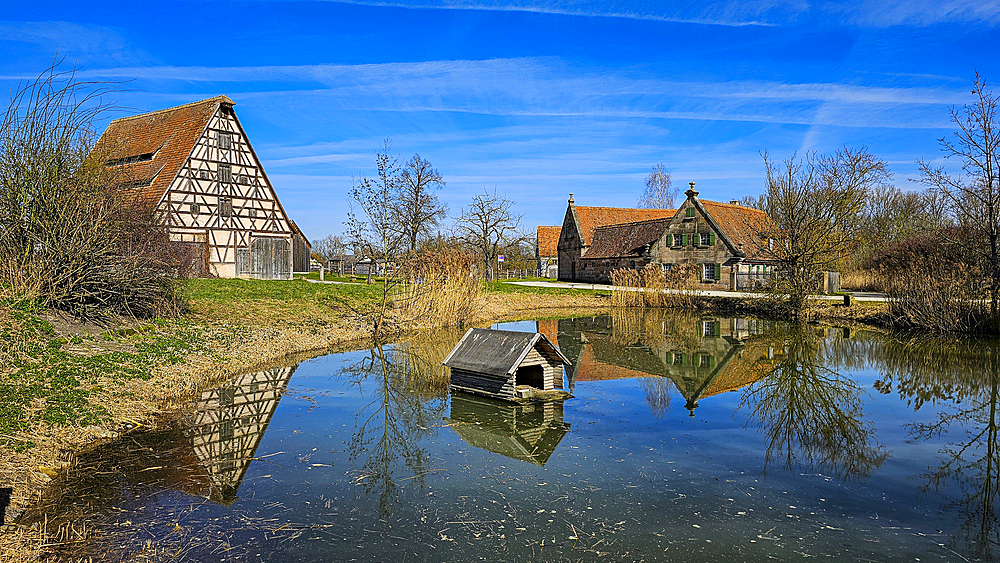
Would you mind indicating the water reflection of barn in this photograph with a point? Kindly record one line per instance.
(715, 356)
(229, 423)
(528, 432)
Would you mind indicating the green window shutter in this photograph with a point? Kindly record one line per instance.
(711, 362)
(716, 331)
(711, 238)
(670, 240)
(684, 240)
(701, 271)
(718, 271)
(690, 212)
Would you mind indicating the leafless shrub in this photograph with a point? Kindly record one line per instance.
(935, 284)
(69, 236)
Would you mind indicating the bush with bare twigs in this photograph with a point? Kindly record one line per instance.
(935, 284)
(652, 287)
(69, 236)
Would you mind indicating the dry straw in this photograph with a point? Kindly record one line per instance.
(441, 288)
(652, 287)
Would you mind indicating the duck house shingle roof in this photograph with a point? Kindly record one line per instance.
(496, 352)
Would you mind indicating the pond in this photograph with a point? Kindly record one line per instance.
(688, 438)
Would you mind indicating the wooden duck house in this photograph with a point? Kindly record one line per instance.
(507, 365)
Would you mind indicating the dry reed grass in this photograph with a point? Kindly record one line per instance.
(862, 280)
(651, 287)
(443, 288)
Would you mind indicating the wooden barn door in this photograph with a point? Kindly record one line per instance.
(271, 258)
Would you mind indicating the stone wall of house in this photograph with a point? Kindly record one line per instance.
(691, 225)
(599, 270)
(570, 248)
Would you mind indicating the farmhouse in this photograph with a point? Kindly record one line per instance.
(196, 165)
(505, 364)
(721, 239)
(547, 251)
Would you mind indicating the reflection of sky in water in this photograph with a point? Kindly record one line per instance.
(625, 483)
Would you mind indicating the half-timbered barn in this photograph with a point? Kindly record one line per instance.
(196, 165)
(505, 364)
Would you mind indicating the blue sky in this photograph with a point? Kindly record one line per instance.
(535, 98)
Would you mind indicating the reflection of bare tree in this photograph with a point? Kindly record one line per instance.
(965, 375)
(811, 414)
(657, 390)
(400, 414)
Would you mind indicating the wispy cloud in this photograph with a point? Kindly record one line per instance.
(866, 13)
(94, 43)
(545, 86)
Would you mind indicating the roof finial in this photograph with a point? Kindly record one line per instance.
(691, 191)
(571, 199)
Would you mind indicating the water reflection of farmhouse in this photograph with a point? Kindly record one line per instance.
(701, 357)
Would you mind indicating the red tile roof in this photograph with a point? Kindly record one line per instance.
(626, 240)
(592, 217)
(739, 224)
(168, 135)
(548, 241)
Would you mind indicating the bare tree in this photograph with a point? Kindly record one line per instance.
(814, 205)
(329, 246)
(371, 229)
(418, 211)
(659, 192)
(487, 225)
(974, 199)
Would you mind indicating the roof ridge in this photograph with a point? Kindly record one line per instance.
(626, 208)
(221, 98)
(704, 201)
(632, 222)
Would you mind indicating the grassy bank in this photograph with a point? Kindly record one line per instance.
(67, 385)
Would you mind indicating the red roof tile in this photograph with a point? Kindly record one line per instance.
(739, 224)
(592, 217)
(169, 135)
(548, 241)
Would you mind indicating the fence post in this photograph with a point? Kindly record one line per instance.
(320, 272)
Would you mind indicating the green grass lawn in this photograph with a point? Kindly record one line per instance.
(503, 287)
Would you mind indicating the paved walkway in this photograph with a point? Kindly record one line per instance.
(858, 296)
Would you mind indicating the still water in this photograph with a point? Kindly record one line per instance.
(688, 439)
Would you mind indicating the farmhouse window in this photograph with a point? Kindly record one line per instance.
(225, 173)
(667, 268)
(203, 174)
(705, 239)
(704, 360)
(689, 212)
(678, 359)
(711, 271)
(195, 209)
(225, 140)
(252, 212)
(225, 207)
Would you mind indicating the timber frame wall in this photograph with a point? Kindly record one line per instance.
(222, 198)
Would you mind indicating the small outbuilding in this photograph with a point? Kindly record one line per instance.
(505, 364)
